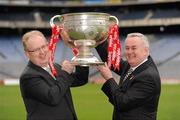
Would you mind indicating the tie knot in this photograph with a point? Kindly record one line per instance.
(130, 71)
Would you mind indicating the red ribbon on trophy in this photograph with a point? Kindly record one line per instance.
(114, 48)
(56, 31)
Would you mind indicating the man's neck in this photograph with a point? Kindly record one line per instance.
(139, 64)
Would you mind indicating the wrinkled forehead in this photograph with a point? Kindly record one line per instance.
(36, 40)
(37, 37)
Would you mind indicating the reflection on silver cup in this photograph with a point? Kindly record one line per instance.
(84, 31)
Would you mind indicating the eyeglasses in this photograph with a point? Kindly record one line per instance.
(43, 47)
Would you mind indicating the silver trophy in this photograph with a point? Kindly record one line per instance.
(84, 31)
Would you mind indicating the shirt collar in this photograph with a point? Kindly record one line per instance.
(139, 64)
(46, 68)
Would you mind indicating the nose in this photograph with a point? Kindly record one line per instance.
(129, 51)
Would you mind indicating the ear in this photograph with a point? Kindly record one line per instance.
(146, 49)
(27, 54)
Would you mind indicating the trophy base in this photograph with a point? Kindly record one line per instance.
(85, 64)
(86, 61)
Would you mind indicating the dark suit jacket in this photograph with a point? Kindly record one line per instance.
(49, 99)
(137, 97)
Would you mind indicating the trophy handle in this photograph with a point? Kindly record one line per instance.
(60, 17)
(114, 17)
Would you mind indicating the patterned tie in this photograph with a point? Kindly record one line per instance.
(128, 73)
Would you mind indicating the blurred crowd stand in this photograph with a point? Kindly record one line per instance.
(151, 16)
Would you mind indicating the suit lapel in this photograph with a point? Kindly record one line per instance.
(142, 67)
(138, 70)
(49, 79)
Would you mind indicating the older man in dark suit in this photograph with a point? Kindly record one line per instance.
(137, 95)
(48, 97)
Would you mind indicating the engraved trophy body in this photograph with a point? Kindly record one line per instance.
(84, 31)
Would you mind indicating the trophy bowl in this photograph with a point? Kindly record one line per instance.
(84, 31)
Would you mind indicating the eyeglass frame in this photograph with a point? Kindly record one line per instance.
(43, 47)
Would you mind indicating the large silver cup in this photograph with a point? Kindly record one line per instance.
(84, 31)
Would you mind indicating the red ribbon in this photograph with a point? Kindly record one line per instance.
(75, 51)
(56, 31)
(114, 48)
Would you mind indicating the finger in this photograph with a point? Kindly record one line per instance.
(106, 64)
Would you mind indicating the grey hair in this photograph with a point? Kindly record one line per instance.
(140, 35)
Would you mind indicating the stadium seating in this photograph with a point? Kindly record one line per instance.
(18, 16)
(165, 47)
(165, 50)
(133, 15)
(11, 49)
(168, 13)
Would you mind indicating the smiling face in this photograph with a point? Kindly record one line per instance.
(136, 50)
(36, 49)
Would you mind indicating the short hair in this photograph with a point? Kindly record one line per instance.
(140, 35)
(29, 34)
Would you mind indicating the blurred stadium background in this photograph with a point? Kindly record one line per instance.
(158, 19)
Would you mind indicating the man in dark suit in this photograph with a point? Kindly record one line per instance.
(137, 95)
(48, 97)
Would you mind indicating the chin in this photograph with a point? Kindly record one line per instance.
(44, 64)
(132, 64)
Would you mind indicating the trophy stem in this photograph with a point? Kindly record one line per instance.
(84, 47)
(85, 57)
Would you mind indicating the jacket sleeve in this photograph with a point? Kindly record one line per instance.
(102, 50)
(80, 76)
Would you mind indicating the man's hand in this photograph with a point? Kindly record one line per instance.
(105, 71)
(67, 66)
